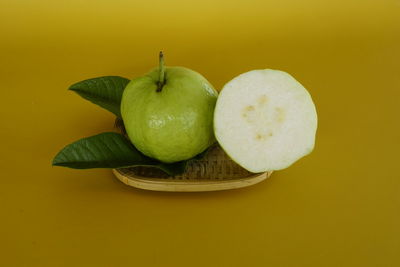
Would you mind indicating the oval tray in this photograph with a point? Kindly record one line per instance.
(216, 171)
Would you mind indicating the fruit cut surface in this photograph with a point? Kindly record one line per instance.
(265, 120)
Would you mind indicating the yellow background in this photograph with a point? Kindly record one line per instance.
(338, 206)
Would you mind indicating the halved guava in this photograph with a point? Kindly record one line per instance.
(265, 120)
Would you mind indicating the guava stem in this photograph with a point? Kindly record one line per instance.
(161, 78)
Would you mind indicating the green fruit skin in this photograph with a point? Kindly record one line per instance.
(172, 125)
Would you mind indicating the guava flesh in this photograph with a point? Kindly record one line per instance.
(265, 120)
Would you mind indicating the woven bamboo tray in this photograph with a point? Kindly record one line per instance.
(216, 171)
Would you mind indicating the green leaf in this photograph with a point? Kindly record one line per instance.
(110, 150)
(173, 168)
(105, 150)
(103, 91)
(180, 167)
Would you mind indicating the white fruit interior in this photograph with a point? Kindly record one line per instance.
(265, 120)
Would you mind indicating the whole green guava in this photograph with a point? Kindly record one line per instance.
(168, 113)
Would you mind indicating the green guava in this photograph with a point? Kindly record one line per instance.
(168, 113)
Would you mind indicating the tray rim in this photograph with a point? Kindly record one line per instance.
(177, 185)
